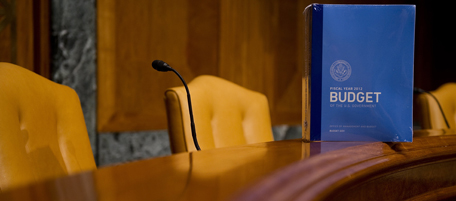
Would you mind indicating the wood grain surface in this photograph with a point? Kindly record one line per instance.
(375, 171)
(24, 34)
(281, 170)
(252, 43)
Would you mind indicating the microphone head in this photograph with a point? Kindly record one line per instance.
(161, 66)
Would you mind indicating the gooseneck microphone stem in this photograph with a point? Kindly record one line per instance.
(161, 66)
(192, 122)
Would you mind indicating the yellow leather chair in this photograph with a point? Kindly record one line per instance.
(42, 129)
(225, 114)
(431, 117)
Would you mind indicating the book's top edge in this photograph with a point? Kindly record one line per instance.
(411, 5)
(307, 9)
(317, 5)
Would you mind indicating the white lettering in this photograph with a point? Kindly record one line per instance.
(368, 97)
(359, 98)
(333, 97)
(351, 97)
(345, 97)
(377, 93)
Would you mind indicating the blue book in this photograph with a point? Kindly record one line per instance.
(358, 76)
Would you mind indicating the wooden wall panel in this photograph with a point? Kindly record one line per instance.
(7, 43)
(258, 49)
(41, 38)
(24, 34)
(17, 33)
(130, 37)
(252, 43)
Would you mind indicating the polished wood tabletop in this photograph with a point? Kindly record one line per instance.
(280, 170)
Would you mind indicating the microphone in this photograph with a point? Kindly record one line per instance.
(161, 66)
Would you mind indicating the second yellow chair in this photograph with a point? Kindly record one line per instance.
(431, 115)
(225, 114)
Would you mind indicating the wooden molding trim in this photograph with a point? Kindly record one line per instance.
(375, 171)
(41, 38)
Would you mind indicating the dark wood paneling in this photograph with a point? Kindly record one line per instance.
(24, 34)
(41, 38)
(130, 37)
(242, 41)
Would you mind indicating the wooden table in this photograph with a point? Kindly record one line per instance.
(281, 170)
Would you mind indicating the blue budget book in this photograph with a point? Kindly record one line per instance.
(358, 73)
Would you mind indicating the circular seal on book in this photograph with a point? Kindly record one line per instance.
(340, 70)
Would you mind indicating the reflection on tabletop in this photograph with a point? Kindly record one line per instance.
(225, 173)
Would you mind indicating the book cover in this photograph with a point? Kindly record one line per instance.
(358, 76)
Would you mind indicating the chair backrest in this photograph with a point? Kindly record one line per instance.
(431, 117)
(225, 114)
(42, 129)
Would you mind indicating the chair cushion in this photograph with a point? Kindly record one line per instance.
(225, 114)
(43, 133)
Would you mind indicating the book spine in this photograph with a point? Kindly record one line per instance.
(306, 73)
(313, 69)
